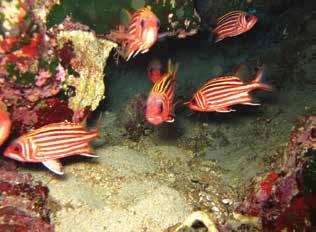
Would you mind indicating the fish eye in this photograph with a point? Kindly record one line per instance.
(161, 107)
(142, 23)
(158, 23)
(247, 17)
(16, 148)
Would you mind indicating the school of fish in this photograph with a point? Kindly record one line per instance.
(52, 142)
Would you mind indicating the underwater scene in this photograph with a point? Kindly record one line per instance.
(157, 115)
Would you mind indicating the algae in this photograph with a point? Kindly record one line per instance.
(91, 54)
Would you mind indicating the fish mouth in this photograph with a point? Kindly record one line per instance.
(154, 121)
(13, 156)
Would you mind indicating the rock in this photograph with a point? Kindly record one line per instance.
(310, 27)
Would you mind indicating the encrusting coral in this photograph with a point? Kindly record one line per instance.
(23, 203)
(277, 191)
(64, 63)
(90, 54)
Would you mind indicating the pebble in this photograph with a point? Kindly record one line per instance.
(215, 209)
(227, 201)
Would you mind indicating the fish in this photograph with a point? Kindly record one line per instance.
(50, 143)
(5, 126)
(221, 93)
(160, 100)
(139, 36)
(154, 70)
(233, 23)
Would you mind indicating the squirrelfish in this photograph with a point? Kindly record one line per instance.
(234, 23)
(160, 101)
(221, 93)
(141, 34)
(50, 143)
(154, 70)
(5, 126)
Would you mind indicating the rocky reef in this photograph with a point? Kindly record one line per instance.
(277, 201)
(39, 65)
(23, 202)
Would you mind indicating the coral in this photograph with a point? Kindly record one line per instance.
(176, 17)
(133, 117)
(88, 61)
(273, 195)
(44, 112)
(297, 216)
(23, 203)
(37, 66)
(29, 70)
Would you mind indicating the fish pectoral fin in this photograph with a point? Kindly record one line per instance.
(170, 119)
(251, 103)
(55, 166)
(88, 154)
(144, 51)
(225, 110)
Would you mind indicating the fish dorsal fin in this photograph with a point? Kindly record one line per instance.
(243, 73)
(88, 154)
(125, 17)
(172, 69)
(238, 70)
(55, 166)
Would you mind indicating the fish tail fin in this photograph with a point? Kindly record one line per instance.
(258, 80)
(173, 69)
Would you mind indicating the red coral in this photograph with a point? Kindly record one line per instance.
(297, 217)
(268, 183)
(273, 195)
(55, 110)
(7, 43)
(32, 49)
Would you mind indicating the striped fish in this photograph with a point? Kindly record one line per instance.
(221, 93)
(160, 100)
(233, 23)
(140, 35)
(5, 125)
(50, 143)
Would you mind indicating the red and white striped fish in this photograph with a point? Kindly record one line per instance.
(234, 23)
(5, 125)
(140, 35)
(50, 143)
(160, 100)
(221, 93)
